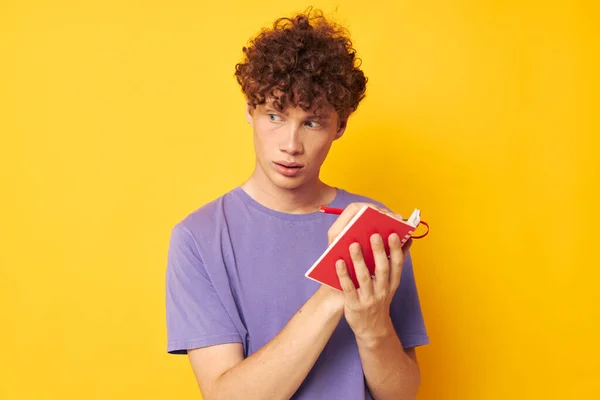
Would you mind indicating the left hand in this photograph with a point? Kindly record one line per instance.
(367, 309)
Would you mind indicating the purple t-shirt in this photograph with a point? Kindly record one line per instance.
(235, 274)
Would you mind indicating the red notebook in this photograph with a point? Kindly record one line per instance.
(364, 224)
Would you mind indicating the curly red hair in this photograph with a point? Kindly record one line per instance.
(302, 61)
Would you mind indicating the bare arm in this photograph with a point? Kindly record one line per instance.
(278, 368)
(390, 371)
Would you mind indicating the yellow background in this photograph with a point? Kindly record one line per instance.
(117, 119)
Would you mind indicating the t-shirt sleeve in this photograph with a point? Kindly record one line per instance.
(195, 314)
(405, 309)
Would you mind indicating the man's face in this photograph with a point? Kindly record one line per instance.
(292, 145)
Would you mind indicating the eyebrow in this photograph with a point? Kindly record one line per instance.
(321, 116)
(272, 109)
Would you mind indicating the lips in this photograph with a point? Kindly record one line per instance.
(289, 164)
(288, 169)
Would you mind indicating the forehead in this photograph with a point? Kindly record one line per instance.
(292, 109)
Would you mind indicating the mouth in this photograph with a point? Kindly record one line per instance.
(289, 165)
(288, 169)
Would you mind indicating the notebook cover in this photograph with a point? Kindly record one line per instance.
(365, 223)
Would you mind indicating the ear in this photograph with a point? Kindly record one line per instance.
(342, 128)
(249, 110)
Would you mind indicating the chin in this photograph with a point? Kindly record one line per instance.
(286, 183)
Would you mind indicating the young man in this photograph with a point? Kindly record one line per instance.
(238, 303)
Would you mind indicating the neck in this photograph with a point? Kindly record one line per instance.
(301, 200)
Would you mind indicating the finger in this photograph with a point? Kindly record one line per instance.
(396, 261)
(380, 208)
(382, 264)
(384, 210)
(363, 276)
(406, 247)
(345, 282)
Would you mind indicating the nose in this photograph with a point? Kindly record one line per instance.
(292, 143)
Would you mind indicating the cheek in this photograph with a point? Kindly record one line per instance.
(320, 149)
(262, 134)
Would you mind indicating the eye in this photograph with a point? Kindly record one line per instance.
(313, 124)
(274, 117)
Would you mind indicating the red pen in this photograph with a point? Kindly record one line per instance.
(330, 210)
(338, 211)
